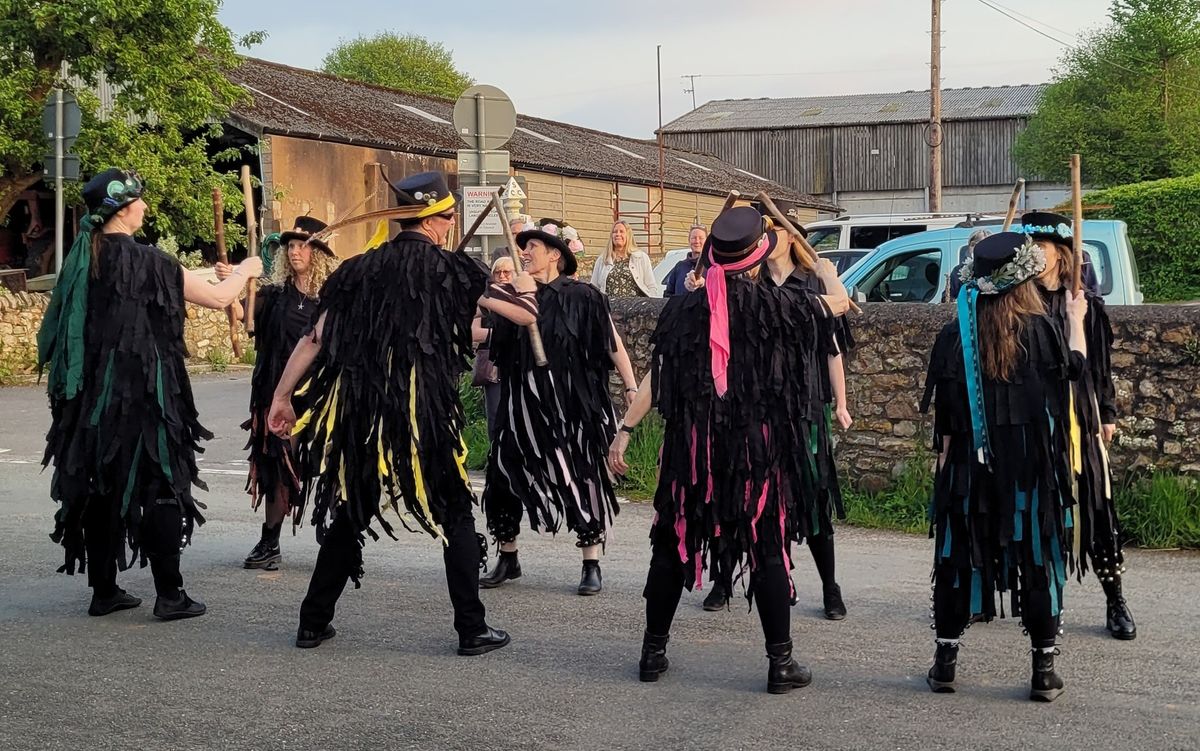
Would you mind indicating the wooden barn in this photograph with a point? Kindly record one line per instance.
(320, 138)
(869, 153)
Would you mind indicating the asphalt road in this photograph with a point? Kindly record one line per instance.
(233, 680)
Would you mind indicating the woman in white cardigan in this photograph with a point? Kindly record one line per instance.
(624, 270)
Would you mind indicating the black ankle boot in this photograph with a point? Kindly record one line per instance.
(507, 567)
(784, 673)
(172, 602)
(266, 554)
(1046, 684)
(945, 660)
(835, 609)
(180, 607)
(654, 660)
(717, 598)
(1120, 621)
(119, 600)
(589, 580)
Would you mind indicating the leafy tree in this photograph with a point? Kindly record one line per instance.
(1127, 100)
(407, 62)
(167, 60)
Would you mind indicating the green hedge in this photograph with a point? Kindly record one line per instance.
(1164, 228)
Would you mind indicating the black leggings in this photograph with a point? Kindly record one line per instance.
(952, 608)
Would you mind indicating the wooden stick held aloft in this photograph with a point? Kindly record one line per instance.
(251, 242)
(535, 334)
(1077, 224)
(223, 257)
(1012, 204)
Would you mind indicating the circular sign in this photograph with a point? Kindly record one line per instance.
(490, 108)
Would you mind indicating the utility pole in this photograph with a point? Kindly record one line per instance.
(935, 109)
(691, 89)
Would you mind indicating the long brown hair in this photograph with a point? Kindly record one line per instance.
(1002, 321)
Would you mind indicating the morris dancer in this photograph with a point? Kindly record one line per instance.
(385, 423)
(1002, 505)
(731, 463)
(124, 431)
(1098, 540)
(554, 423)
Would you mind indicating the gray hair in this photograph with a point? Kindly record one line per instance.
(976, 236)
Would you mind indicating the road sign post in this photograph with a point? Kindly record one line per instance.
(61, 120)
(484, 118)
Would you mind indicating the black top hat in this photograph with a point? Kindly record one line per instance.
(110, 191)
(425, 189)
(303, 229)
(1046, 225)
(1002, 261)
(570, 265)
(737, 238)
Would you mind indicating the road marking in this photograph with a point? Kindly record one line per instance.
(5, 451)
(208, 471)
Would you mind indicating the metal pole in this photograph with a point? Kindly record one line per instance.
(484, 244)
(662, 164)
(59, 202)
(935, 109)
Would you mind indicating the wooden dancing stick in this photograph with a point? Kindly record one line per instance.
(251, 242)
(809, 259)
(535, 334)
(730, 199)
(1012, 204)
(1077, 224)
(223, 257)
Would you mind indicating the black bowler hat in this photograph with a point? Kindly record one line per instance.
(1046, 225)
(1003, 261)
(427, 191)
(570, 265)
(303, 229)
(110, 191)
(738, 239)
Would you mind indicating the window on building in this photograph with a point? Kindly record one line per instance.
(633, 207)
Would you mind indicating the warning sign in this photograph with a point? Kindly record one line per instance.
(476, 201)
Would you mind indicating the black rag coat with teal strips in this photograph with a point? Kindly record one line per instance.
(131, 433)
(1006, 526)
(382, 438)
(554, 424)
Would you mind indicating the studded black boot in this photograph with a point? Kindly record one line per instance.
(654, 657)
(784, 673)
(1046, 684)
(945, 660)
(1120, 621)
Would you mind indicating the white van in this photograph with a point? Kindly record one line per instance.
(869, 231)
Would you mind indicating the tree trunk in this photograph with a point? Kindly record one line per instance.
(11, 189)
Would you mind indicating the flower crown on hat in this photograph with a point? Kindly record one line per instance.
(568, 234)
(1062, 230)
(1029, 261)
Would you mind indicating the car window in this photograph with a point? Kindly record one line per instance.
(908, 277)
(1097, 253)
(825, 238)
(870, 237)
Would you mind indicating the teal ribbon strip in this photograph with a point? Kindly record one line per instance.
(968, 329)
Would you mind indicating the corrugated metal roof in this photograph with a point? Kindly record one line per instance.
(982, 103)
(304, 103)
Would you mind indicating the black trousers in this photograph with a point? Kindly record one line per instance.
(952, 608)
(769, 585)
(160, 535)
(341, 558)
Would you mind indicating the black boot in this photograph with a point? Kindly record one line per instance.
(654, 660)
(119, 600)
(306, 639)
(784, 673)
(589, 581)
(835, 609)
(1120, 620)
(1046, 684)
(266, 554)
(717, 598)
(507, 567)
(945, 660)
(172, 602)
(492, 638)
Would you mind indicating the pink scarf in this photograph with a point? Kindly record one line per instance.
(718, 310)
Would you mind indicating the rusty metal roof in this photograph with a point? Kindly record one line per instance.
(977, 103)
(307, 104)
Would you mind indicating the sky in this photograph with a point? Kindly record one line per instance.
(593, 63)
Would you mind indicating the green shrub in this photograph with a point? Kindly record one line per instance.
(219, 359)
(475, 428)
(1164, 222)
(1160, 510)
(642, 456)
(904, 506)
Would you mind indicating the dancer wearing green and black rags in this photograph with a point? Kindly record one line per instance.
(124, 431)
(1097, 541)
(1002, 505)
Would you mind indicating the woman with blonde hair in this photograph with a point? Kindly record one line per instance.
(284, 311)
(623, 270)
(486, 375)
